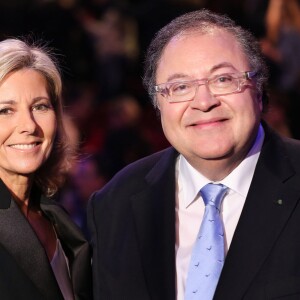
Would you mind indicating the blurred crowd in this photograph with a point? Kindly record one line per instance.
(100, 45)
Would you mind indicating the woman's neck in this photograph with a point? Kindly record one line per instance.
(20, 188)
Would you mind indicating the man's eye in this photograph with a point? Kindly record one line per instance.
(223, 79)
(180, 88)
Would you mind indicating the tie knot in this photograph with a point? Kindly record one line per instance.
(213, 194)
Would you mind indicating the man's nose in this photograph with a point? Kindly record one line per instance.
(204, 100)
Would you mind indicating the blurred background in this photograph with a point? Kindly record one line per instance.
(100, 46)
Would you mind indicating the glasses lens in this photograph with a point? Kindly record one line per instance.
(182, 91)
(223, 84)
(185, 91)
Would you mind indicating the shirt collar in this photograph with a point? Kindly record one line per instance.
(238, 180)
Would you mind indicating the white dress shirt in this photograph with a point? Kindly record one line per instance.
(190, 207)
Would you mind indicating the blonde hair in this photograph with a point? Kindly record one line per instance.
(16, 54)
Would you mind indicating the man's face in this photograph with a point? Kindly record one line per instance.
(208, 127)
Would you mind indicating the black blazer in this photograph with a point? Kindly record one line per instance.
(25, 271)
(132, 222)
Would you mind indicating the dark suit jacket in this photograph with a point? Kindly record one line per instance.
(25, 271)
(132, 221)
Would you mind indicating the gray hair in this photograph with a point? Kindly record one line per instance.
(203, 21)
(16, 54)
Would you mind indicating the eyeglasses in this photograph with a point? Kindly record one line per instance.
(218, 85)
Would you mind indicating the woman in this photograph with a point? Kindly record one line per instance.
(43, 255)
(281, 46)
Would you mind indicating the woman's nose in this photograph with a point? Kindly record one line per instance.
(26, 122)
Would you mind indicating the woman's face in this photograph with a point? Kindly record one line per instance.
(27, 123)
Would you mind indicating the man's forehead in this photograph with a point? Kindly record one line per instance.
(217, 47)
(209, 31)
(195, 43)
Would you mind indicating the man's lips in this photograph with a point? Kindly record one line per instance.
(210, 122)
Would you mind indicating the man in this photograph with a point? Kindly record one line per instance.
(207, 79)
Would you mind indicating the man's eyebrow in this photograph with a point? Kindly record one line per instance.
(212, 69)
(177, 76)
(220, 66)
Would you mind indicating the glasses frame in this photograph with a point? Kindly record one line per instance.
(164, 88)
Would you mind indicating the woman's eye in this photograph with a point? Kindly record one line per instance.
(6, 111)
(41, 107)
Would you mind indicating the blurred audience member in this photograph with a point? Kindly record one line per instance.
(88, 175)
(56, 22)
(124, 141)
(108, 139)
(85, 117)
(281, 46)
(113, 35)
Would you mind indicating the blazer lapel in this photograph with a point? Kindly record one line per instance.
(75, 247)
(154, 212)
(271, 200)
(18, 238)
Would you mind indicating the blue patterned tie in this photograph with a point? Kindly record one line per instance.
(208, 253)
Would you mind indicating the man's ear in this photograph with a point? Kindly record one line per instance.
(157, 106)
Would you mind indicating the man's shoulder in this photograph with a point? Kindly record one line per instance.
(147, 163)
(133, 177)
(278, 149)
(292, 147)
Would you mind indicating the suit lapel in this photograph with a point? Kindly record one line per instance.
(154, 212)
(271, 200)
(18, 238)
